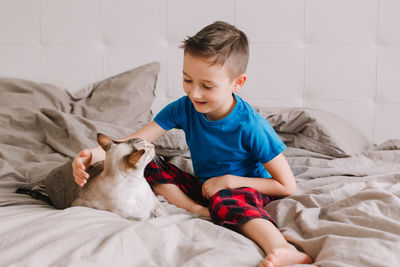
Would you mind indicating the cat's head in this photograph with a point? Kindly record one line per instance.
(127, 156)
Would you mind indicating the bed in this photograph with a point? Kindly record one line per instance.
(346, 211)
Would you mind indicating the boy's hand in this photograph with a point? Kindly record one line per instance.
(213, 185)
(79, 166)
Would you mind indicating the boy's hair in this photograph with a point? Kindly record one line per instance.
(221, 43)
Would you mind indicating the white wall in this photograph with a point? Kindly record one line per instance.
(339, 55)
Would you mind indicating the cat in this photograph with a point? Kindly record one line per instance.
(121, 187)
(116, 184)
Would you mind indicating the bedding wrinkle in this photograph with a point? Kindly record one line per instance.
(345, 211)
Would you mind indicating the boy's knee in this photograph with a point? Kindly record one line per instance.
(226, 194)
(219, 200)
(229, 201)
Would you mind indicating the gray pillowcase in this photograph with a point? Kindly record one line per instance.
(124, 99)
(116, 106)
(171, 144)
(316, 130)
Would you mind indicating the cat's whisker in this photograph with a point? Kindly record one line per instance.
(158, 160)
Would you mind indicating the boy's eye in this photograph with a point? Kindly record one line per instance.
(187, 81)
(207, 87)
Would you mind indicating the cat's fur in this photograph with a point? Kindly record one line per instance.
(121, 187)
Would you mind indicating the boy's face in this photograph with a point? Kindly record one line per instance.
(209, 88)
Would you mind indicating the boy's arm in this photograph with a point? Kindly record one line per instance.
(87, 157)
(282, 182)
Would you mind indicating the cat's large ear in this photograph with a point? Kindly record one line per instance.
(104, 141)
(133, 158)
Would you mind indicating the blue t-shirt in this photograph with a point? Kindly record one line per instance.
(238, 144)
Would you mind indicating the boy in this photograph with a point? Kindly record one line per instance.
(233, 148)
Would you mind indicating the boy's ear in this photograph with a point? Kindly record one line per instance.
(104, 141)
(239, 82)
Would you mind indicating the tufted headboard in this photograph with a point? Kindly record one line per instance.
(342, 56)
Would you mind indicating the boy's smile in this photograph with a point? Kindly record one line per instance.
(198, 103)
(209, 87)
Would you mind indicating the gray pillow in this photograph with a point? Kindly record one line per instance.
(116, 106)
(171, 144)
(124, 99)
(316, 130)
(31, 96)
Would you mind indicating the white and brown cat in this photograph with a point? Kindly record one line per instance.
(121, 187)
(116, 184)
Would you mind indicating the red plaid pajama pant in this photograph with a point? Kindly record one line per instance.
(227, 207)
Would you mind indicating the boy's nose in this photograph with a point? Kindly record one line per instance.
(194, 92)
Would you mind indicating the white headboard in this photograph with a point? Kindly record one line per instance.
(339, 55)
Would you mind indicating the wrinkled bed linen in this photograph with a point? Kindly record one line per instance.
(346, 211)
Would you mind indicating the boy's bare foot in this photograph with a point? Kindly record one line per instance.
(285, 256)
